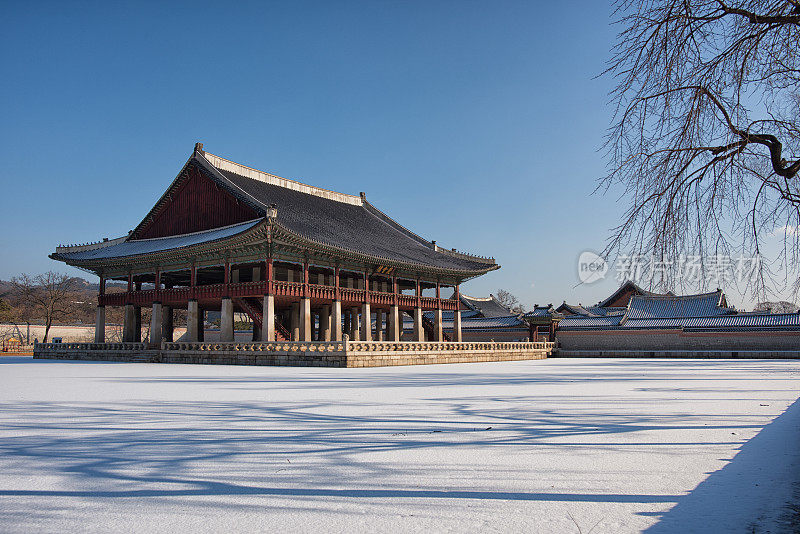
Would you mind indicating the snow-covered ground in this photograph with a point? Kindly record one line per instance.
(541, 446)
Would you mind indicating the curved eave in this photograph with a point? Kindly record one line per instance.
(257, 233)
(302, 241)
(248, 236)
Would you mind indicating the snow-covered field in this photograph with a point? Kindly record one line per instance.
(542, 446)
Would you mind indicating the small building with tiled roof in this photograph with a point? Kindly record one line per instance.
(670, 325)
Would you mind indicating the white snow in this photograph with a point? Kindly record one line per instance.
(541, 446)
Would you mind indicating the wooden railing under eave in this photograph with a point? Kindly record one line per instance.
(351, 297)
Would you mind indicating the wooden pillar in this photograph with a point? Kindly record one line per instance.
(270, 276)
(268, 305)
(227, 278)
(336, 311)
(305, 279)
(192, 282)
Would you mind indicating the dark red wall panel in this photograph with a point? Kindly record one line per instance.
(197, 204)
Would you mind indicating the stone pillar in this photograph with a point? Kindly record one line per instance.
(379, 325)
(395, 324)
(226, 320)
(305, 319)
(325, 323)
(194, 321)
(137, 322)
(155, 325)
(457, 326)
(167, 330)
(268, 319)
(419, 332)
(294, 321)
(128, 324)
(336, 321)
(354, 324)
(100, 325)
(366, 322)
(438, 331)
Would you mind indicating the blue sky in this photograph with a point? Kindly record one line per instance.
(475, 124)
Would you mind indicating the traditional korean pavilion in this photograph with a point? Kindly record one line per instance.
(302, 262)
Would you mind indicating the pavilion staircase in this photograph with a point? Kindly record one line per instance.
(252, 307)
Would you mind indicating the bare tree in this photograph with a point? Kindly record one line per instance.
(776, 307)
(705, 142)
(507, 300)
(50, 297)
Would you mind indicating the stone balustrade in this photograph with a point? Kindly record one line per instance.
(44, 347)
(313, 353)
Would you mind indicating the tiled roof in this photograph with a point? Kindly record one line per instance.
(510, 321)
(474, 322)
(448, 315)
(573, 309)
(119, 249)
(336, 220)
(610, 310)
(658, 306)
(628, 284)
(690, 312)
(540, 311)
(780, 320)
(582, 321)
(487, 306)
(343, 221)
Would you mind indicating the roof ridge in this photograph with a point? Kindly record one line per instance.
(479, 299)
(273, 179)
(676, 297)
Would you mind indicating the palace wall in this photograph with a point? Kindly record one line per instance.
(645, 341)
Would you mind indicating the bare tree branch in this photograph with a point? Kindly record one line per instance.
(705, 143)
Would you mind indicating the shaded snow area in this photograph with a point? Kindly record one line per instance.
(541, 446)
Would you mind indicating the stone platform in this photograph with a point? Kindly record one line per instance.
(303, 354)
